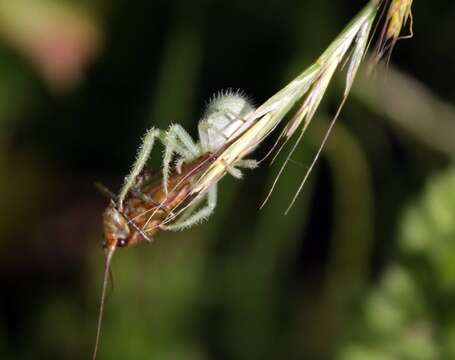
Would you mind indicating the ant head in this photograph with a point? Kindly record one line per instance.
(116, 228)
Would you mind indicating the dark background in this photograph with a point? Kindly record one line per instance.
(363, 267)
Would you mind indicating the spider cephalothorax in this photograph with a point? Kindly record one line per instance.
(223, 119)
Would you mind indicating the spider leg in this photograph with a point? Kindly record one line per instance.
(141, 159)
(182, 135)
(177, 141)
(244, 163)
(234, 172)
(247, 164)
(234, 116)
(178, 164)
(205, 137)
(144, 177)
(219, 133)
(190, 218)
(207, 126)
(232, 169)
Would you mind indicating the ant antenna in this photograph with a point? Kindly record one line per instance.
(107, 266)
(106, 192)
(137, 228)
(111, 279)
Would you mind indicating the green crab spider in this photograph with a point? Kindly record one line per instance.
(224, 118)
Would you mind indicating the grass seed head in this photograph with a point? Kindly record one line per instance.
(397, 17)
(309, 88)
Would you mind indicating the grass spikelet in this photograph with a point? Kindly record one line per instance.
(399, 14)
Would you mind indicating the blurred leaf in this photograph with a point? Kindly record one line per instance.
(428, 229)
(410, 105)
(407, 316)
(59, 39)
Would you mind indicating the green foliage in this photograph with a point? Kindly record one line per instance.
(408, 314)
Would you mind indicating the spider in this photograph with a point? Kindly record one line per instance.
(223, 119)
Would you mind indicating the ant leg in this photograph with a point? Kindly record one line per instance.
(137, 193)
(196, 217)
(141, 159)
(148, 200)
(144, 177)
(105, 191)
(177, 140)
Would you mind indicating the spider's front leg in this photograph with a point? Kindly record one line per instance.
(191, 217)
(177, 141)
(141, 159)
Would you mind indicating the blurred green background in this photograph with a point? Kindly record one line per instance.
(363, 267)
